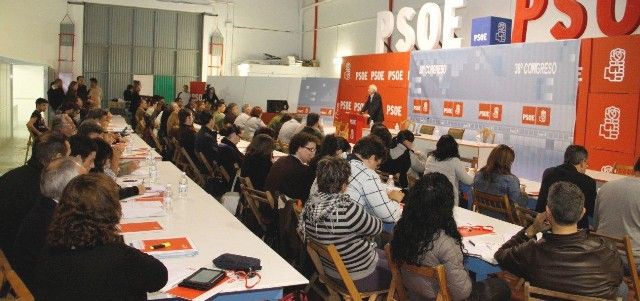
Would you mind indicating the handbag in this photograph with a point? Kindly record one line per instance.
(233, 262)
(231, 199)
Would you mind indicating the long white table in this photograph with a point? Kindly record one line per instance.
(214, 231)
(603, 177)
(468, 149)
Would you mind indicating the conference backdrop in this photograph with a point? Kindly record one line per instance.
(526, 93)
(318, 95)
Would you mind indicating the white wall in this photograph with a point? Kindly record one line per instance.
(27, 82)
(5, 101)
(29, 28)
(348, 27)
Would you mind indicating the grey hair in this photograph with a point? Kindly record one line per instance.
(575, 154)
(57, 175)
(57, 123)
(566, 202)
(245, 107)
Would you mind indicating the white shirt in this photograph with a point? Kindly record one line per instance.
(241, 120)
(288, 130)
(185, 96)
(251, 126)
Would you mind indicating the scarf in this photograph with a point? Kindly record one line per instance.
(320, 208)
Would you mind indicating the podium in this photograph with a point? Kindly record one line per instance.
(356, 123)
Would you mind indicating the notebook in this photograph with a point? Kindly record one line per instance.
(179, 247)
(140, 227)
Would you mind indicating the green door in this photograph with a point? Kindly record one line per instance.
(164, 85)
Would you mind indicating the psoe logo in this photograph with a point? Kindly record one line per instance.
(610, 126)
(614, 72)
(501, 34)
(607, 169)
(394, 110)
(347, 71)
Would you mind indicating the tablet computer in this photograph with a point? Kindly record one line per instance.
(203, 279)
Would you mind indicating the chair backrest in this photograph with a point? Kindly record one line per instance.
(193, 169)
(456, 133)
(473, 161)
(524, 216)
(254, 198)
(176, 147)
(625, 247)
(623, 169)
(329, 253)
(494, 203)
(532, 293)
(159, 147)
(203, 159)
(436, 273)
(17, 289)
(427, 129)
(488, 136)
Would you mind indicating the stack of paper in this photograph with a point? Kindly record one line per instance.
(172, 247)
(484, 246)
(142, 209)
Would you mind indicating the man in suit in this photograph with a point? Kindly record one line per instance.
(373, 106)
(32, 235)
(573, 171)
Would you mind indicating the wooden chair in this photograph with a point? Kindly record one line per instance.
(436, 273)
(532, 293)
(427, 129)
(347, 289)
(473, 161)
(30, 142)
(178, 159)
(625, 246)
(524, 216)
(493, 203)
(205, 162)
(17, 290)
(623, 169)
(192, 169)
(253, 198)
(159, 146)
(456, 133)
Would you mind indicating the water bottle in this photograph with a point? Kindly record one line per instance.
(390, 183)
(153, 168)
(168, 199)
(182, 187)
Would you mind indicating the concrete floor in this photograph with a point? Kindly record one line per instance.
(12, 151)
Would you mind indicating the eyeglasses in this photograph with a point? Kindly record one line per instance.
(311, 149)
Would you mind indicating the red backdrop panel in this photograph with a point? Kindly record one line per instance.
(614, 65)
(583, 92)
(601, 158)
(612, 122)
(389, 72)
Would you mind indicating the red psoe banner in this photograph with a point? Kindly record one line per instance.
(388, 71)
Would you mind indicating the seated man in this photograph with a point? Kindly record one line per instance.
(289, 128)
(617, 210)
(206, 141)
(32, 235)
(291, 175)
(365, 185)
(565, 259)
(573, 171)
(20, 187)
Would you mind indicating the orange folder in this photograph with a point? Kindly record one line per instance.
(467, 232)
(189, 293)
(140, 227)
(177, 244)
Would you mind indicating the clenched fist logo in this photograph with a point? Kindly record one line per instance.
(614, 72)
(610, 127)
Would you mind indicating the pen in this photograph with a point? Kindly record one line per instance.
(472, 243)
(161, 246)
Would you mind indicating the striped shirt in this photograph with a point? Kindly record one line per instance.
(336, 219)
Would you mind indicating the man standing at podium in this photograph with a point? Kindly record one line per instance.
(373, 106)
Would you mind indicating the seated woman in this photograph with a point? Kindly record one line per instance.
(228, 152)
(446, 160)
(496, 177)
(103, 164)
(258, 160)
(330, 216)
(334, 146)
(85, 256)
(427, 235)
(401, 157)
(253, 123)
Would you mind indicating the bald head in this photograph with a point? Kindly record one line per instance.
(57, 175)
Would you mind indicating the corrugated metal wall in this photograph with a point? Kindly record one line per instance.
(122, 41)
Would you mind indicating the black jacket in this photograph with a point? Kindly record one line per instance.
(291, 177)
(229, 155)
(55, 97)
(19, 191)
(572, 263)
(111, 272)
(213, 99)
(207, 143)
(31, 239)
(569, 173)
(373, 106)
(187, 137)
(256, 168)
(83, 92)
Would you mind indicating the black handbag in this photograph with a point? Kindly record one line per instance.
(235, 262)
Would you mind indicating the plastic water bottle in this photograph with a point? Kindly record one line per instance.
(397, 127)
(168, 199)
(182, 186)
(153, 168)
(390, 182)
